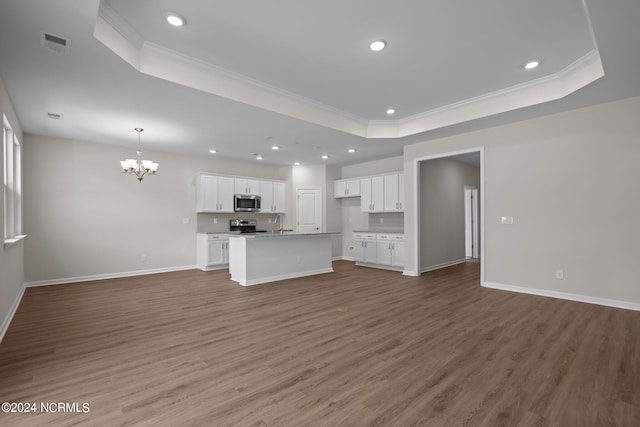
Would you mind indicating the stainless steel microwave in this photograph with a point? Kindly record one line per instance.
(246, 203)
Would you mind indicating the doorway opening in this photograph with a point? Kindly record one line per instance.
(449, 210)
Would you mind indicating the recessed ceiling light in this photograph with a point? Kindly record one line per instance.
(175, 20)
(296, 163)
(258, 157)
(378, 45)
(324, 156)
(352, 150)
(390, 111)
(531, 65)
(213, 151)
(275, 147)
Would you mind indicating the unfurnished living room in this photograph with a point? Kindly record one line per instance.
(333, 213)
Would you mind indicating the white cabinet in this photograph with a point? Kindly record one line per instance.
(212, 251)
(390, 249)
(385, 250)
(372, 194)
(273, 197)
(247, 186)
(346, 188)
(364, 247)
(214, 193)
(394, 193)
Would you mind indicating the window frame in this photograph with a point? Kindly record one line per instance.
(12, 189)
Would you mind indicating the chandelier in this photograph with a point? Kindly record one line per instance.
(139, 167)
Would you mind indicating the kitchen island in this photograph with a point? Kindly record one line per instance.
(268, 257)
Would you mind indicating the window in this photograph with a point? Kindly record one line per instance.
(12, 184)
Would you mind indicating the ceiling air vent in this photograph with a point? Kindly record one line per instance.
(54, 116)
(55, 43)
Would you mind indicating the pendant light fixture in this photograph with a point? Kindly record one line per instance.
(139, 167)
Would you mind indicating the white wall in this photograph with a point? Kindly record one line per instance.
(12, 256)
(84, 217)
(570, 181)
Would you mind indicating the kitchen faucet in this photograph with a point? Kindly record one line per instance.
(279, 222)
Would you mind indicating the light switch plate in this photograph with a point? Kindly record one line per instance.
(506, 220)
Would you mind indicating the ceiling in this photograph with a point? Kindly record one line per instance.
(300, 75)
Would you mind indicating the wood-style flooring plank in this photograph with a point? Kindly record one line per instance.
(357, 347)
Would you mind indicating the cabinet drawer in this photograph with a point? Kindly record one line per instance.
(364, 236)
(215, 237)
(390, 236)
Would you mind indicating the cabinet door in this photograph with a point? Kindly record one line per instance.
(339, 189)
(353, 187)
(266, 194)
(206, 193)
(215, 255)
(225, 194)
(279, 197)
(358, 250)
(377, 194)
(365, 195)
(391, 203)
(384, 252)
(397, 255)
(370, 251)
(240, 186)
(401, 192)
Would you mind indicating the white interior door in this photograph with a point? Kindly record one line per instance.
(309, 210)
(471, 222)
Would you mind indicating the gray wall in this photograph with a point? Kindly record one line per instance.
(84, 217)
(442, 232)
(570, 181)
(12, 256)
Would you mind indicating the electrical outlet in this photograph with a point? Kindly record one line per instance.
(381, 220)
(351, 248)
(215, 220)
(507, 220)
(560, 274)
(143, 258)
(185, 221)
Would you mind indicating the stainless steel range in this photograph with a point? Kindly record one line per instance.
(244, 226)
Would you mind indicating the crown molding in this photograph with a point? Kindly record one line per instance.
(167, 64)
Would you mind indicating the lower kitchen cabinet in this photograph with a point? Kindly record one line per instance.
(364, 247)
(212, 251)
(383, 250)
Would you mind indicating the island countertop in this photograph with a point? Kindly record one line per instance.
(279, 235)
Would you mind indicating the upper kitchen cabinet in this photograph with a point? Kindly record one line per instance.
(273, 196)
(346, 188)
(372, 194)
(394, 193)
(214, 193)
(247, 186)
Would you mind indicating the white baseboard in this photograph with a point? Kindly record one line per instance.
(107, 276)
(12, 311)
(564, 295)
(343, 258)
(443, 265)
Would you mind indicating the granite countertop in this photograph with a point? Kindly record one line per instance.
(278, 235)
(380, 231)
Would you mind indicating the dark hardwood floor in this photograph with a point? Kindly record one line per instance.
(357, 347)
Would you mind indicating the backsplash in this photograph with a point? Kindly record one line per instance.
(206, 221)
(390, 222)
